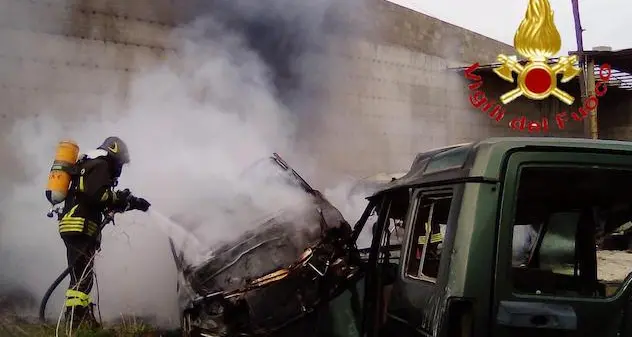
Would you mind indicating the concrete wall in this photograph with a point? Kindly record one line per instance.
(91, 54)
(391, 95)
(397, 25)
(535, 111)
(394, 95)
(70, 57)
(615, 116)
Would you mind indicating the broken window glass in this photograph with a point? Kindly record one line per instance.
(424, 252)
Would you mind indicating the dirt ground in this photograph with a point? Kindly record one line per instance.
(613, 268)
(613, 265)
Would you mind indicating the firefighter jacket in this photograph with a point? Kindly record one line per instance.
(90, 194)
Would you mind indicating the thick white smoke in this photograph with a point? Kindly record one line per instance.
(193, 124)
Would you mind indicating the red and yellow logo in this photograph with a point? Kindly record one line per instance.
(537, 40)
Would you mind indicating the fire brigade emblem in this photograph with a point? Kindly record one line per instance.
(537, 39)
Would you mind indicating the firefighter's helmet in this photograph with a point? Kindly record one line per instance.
(116, 149)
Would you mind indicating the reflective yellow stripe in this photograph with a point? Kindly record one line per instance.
(434, 238)
(71, 220)
(75, 302)
(105, 196)
(71, 212)
(69, 223)
(90, 230)
(77, 294)
(70, 228)
(81, 186)
(77, 298)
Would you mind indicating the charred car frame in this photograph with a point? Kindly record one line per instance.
(447, 257)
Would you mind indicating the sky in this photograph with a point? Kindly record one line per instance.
(606, 22)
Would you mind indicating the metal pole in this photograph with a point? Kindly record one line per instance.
(590, 91)
(587, 75)
(578, 28)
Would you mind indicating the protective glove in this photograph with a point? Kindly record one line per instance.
(123, 196)
(122, 200)
(139, 204)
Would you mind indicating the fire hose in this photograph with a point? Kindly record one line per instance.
(109, 217)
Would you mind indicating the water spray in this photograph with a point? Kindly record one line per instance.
(174, 230)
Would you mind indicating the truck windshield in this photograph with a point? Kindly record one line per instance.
(571, 228)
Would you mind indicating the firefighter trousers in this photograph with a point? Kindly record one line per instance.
(80, 251)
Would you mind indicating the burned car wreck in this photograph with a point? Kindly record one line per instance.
(270, 277)
(448, 252)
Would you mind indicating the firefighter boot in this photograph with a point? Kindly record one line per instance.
(73, 317)
(81, 317)
(90, 319)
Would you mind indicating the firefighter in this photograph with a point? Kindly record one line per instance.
(90, 195)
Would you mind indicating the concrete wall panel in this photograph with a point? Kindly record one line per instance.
(390, 95)
(411, 102)
(615, 115)
(396, 25)
(69, 57)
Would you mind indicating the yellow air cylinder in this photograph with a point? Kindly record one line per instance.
(59, 176)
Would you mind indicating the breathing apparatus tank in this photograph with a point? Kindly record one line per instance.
(60, 172)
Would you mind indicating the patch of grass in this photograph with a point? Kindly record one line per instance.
(131, 328)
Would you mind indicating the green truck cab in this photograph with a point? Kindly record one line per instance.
(497, 238)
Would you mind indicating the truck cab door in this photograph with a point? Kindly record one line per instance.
(382, 264)
(406, 270)
(348, 314)
(551, 276)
